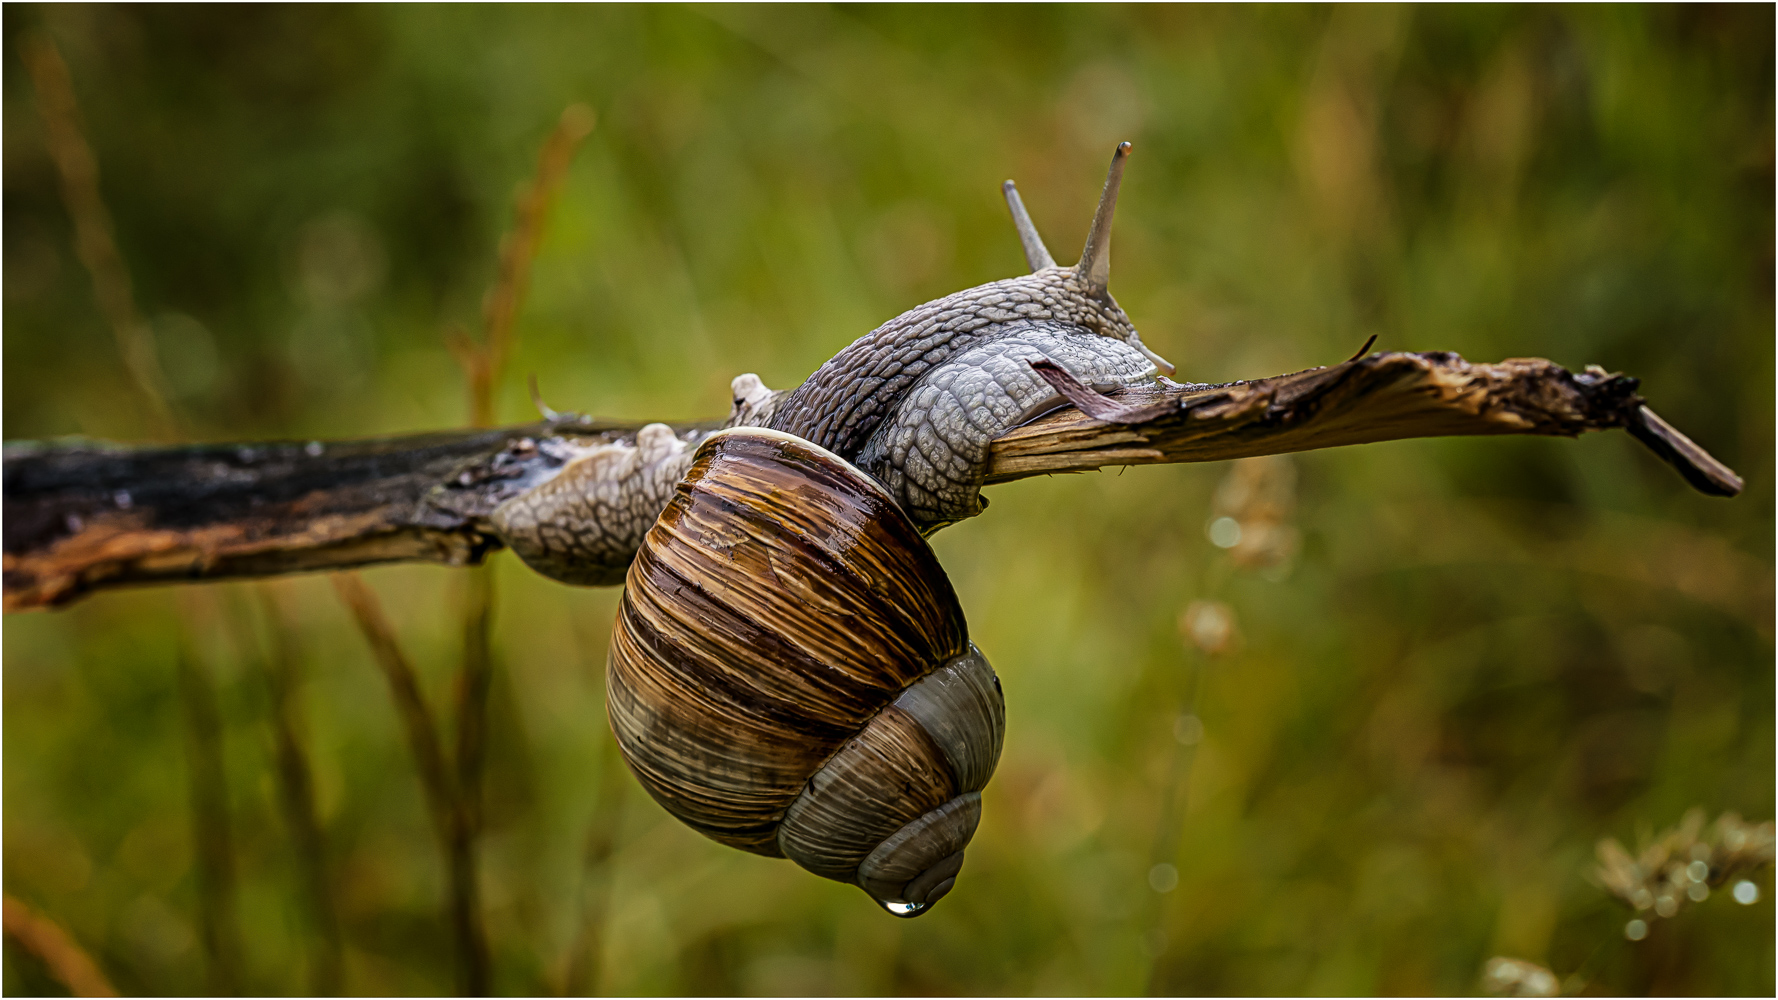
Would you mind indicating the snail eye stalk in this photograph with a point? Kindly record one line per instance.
(1036, 254)
(1095, 258)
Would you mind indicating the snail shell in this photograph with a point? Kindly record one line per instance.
(791, 673)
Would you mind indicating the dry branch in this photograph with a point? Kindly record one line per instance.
(1383, 397)
(83, 516)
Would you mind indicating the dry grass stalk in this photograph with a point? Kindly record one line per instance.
(211, 831)
(410, 704)
(473, 683)
(96, 245)
(1682, 865)
(485, 362)
(584, 964)
(65, 959)
(450, 821)
(1250, 519)
(1257, 497)
(1209, 627)
(296, 791)
(94, 240)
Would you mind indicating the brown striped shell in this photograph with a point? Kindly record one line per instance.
(791, 674)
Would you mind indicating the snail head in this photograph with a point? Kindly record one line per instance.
(1090, 277)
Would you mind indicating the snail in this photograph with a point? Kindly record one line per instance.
(790, 672)
(917, 400)
(914, 403)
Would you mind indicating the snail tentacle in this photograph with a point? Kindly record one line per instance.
(753, 403)
(1095, 258)
(1036, 254)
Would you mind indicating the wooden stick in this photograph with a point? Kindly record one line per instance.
(85, 516)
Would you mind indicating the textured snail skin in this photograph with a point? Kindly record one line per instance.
(583, 524)
(791, 673)
(916, 401)
(933, 450)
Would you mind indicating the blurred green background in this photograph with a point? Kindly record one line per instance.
(1482, 656)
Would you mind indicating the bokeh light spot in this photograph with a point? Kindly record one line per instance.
(1225, 532)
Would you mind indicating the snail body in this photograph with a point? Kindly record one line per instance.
(583, 522)
(914, 403)
(582, 525)
(932, 451)
(791, 673)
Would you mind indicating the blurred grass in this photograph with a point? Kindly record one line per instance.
(1487, 655)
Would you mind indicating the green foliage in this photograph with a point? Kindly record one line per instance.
(1486, 655)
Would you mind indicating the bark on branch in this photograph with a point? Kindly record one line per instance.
(85, 516)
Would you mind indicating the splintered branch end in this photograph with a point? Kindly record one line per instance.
(1382, 397)
(1699, 467)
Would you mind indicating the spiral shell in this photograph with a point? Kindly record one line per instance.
(791, 673)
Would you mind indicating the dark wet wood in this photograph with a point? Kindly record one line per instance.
(86, 515)
(83, 516)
